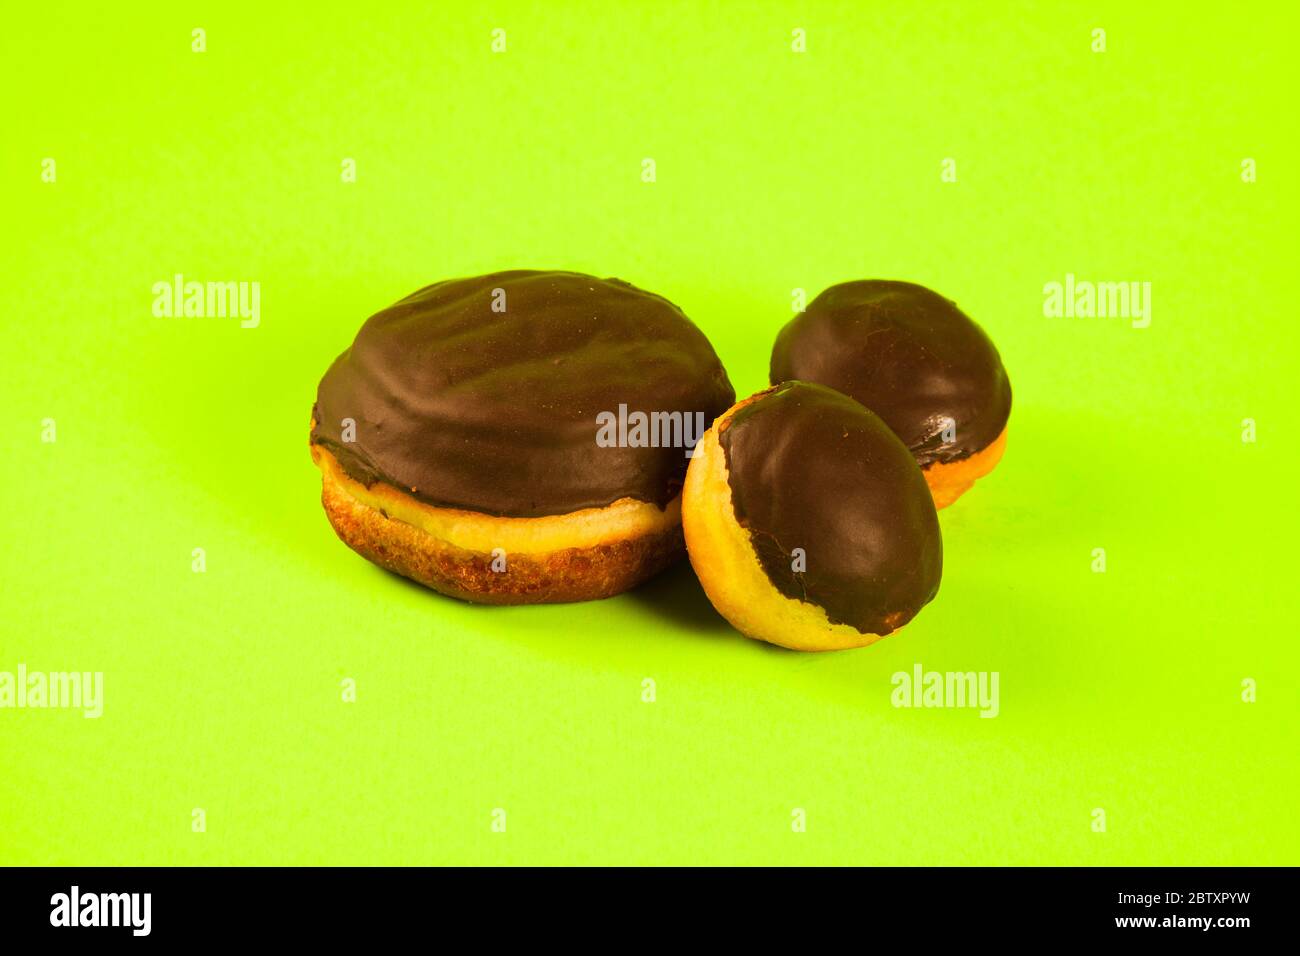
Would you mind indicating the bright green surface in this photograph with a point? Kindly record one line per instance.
(775, 170)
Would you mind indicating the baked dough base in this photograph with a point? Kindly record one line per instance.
(950, 481)
(588, 554)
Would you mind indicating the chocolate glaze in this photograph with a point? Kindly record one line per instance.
(464, 407)
(811, 468)
(909, 355)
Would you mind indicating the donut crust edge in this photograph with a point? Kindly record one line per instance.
(628, 554)
(948, 481)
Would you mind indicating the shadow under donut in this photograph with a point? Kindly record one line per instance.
(676, 596)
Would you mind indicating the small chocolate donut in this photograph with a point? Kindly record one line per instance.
(476, 436)
(808, 522)
(917, 361)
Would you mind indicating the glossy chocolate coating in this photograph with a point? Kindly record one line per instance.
(811, 468)
(909, 355)
(463, 406)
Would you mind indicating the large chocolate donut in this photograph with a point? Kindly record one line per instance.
(916, 360)
(808, 522)
(517, 437)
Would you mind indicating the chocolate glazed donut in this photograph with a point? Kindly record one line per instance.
(916, 360)
(458, 438)
(808, 522)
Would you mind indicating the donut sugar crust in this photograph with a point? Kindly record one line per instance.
(915, 359)
(591, 554)
(815, 462)
(488, 436)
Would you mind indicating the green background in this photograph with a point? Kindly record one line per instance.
(775, 170)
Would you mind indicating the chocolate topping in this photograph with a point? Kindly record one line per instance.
(909, 355)
(483, 393)
(810, 468)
